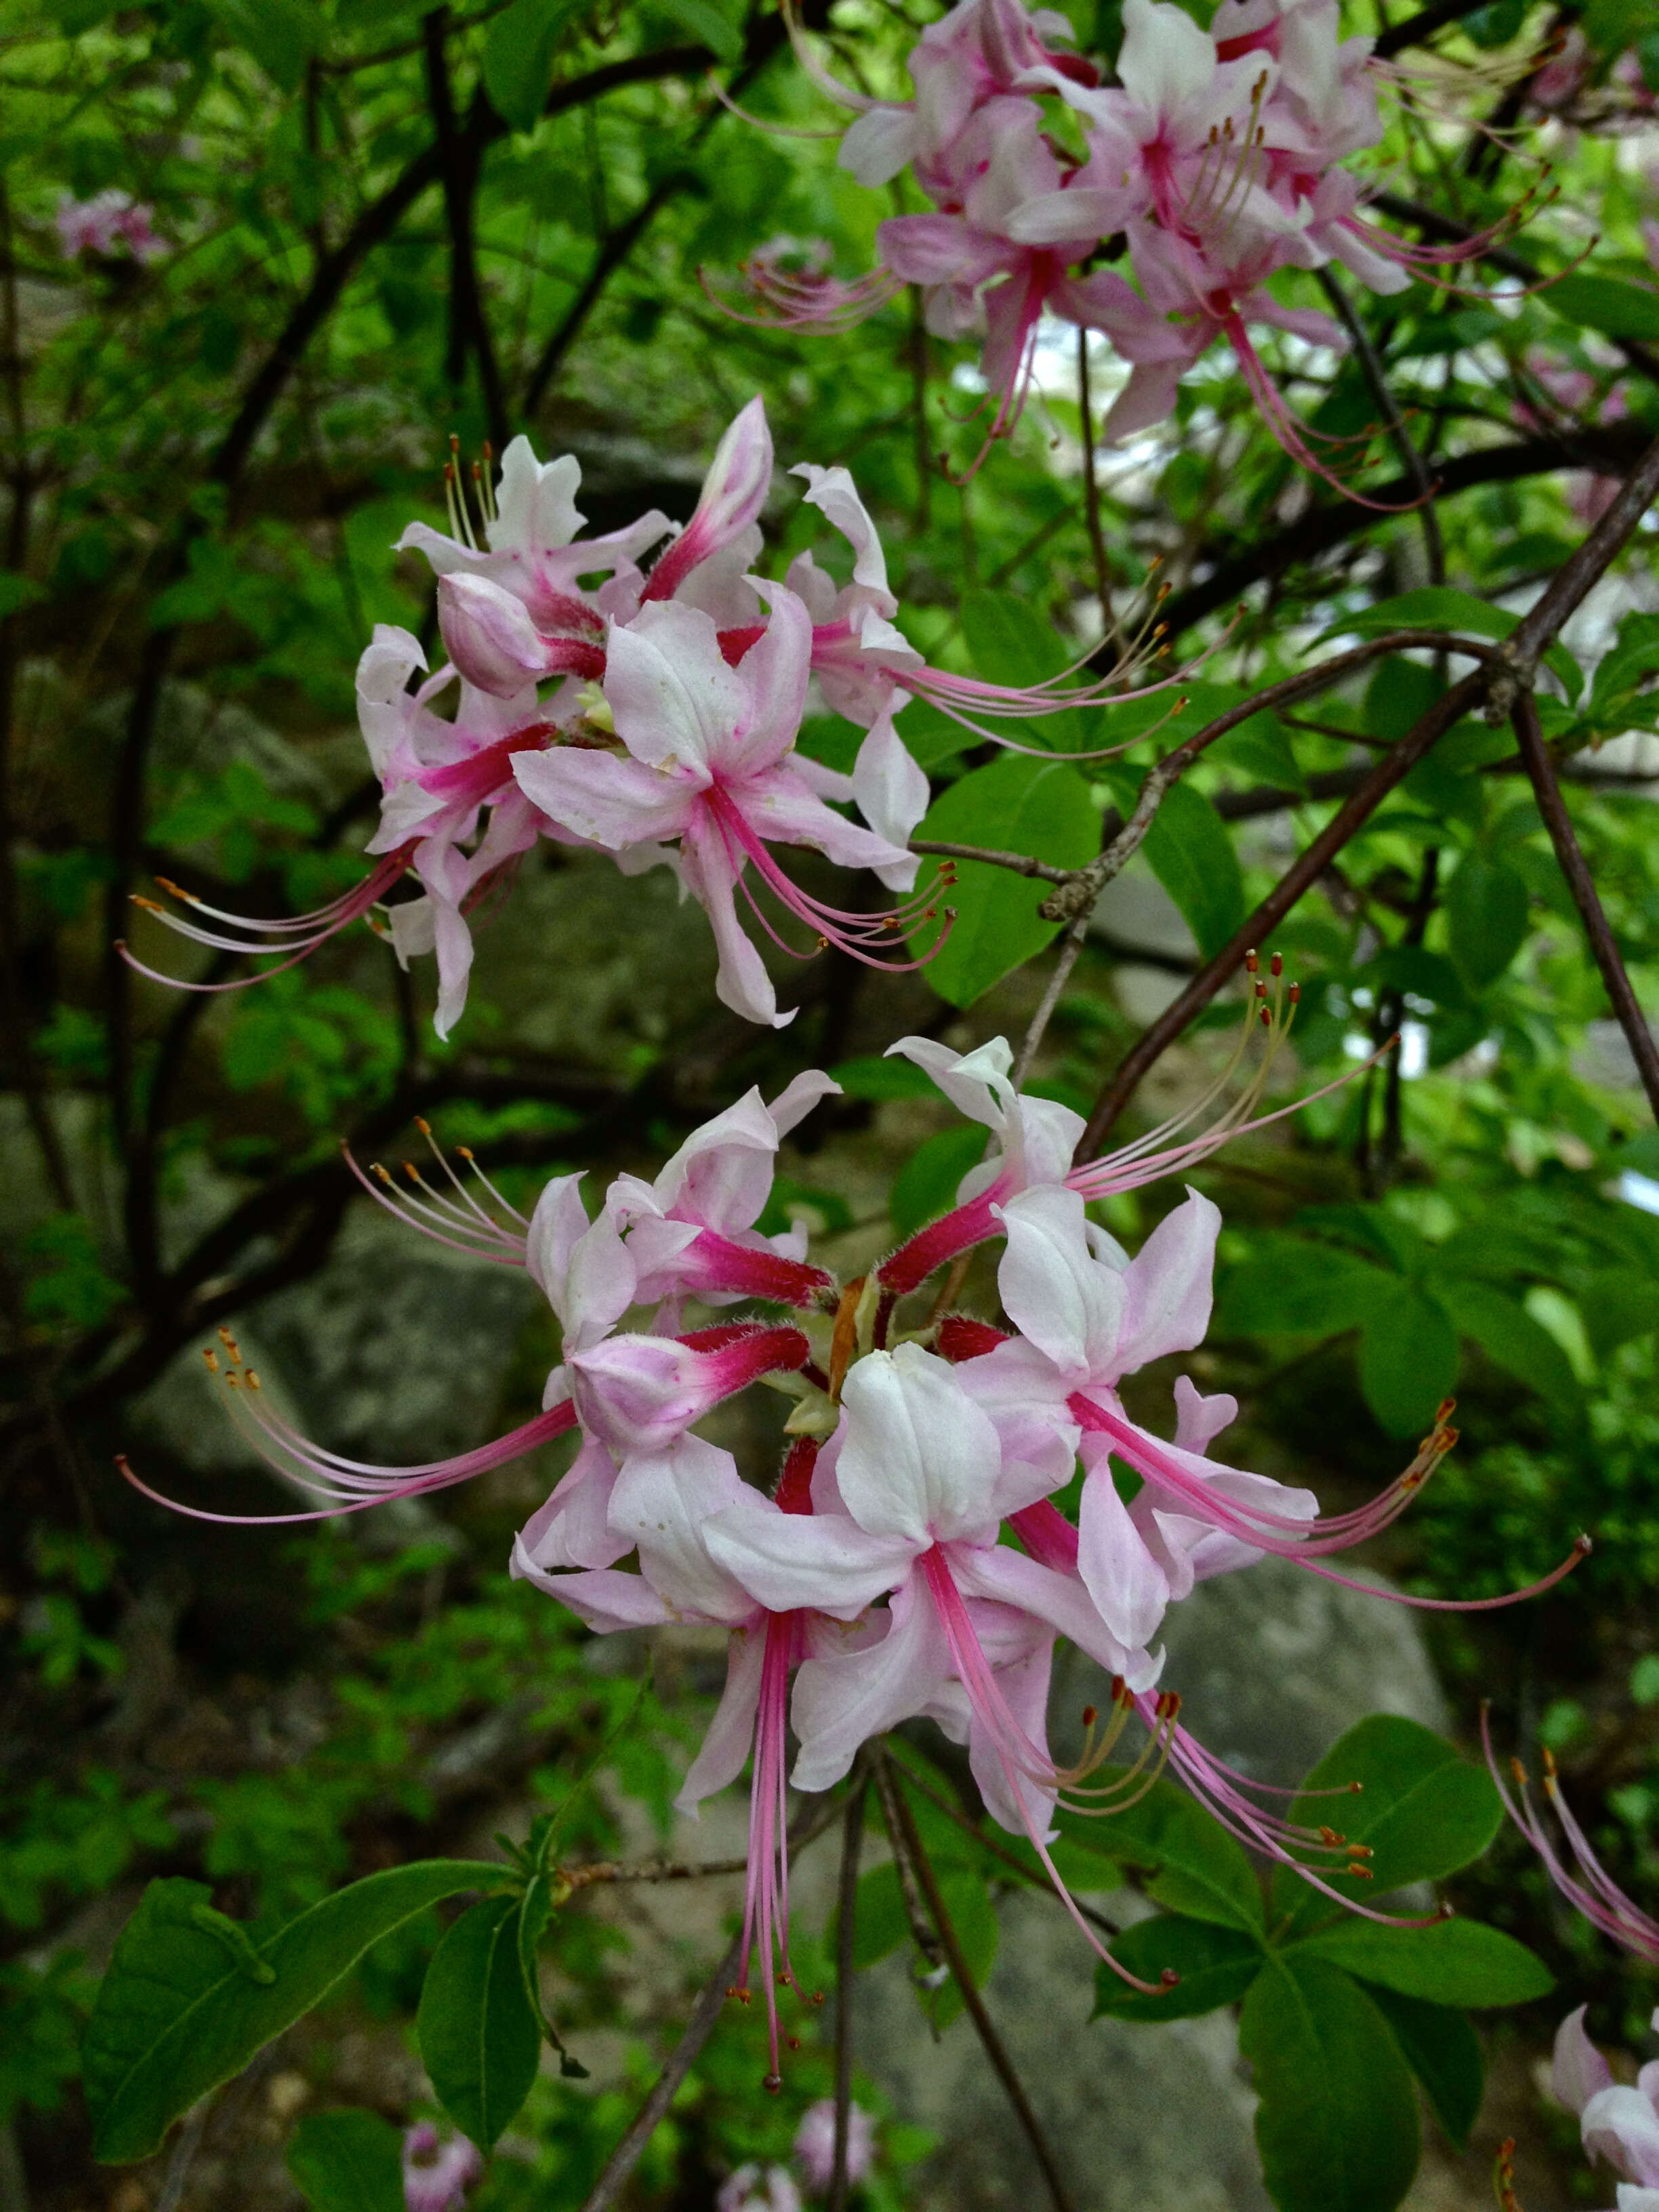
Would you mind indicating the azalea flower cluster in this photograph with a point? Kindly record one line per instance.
(110, 223)
(756, 2188)
(908, 1558)
(1214, 160)
(649, 713)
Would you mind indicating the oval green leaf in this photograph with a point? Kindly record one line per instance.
(480, 2041)
(178, 2014)
(348, 2162)
(1450, 1962)
(1337, 2127)
(1216, 1965)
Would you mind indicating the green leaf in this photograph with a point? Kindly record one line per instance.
(1012, 643)
(480, 2042)
(1292, 1286)
(1337, 2127)
(1189, 851)
(1442, 2048)
(1407, 1359)
(1618, 1304)
(176, 2015)
(1196, 1868)
(518, 58)
(1423, 1807)
(926, 1185)
(874, 1076)
(1450, 1962)
(723, 39)
(281, 36)
(1604, 304)
(348, 2162)
(880, 1922)
(1438, 606)
(17, 591)
(1486, 919)
(1216, 1965)
(1016, 805)
(1513, 1340)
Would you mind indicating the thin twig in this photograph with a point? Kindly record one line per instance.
(1018, 864)
(1070, 946)
(892, 1813)
(995, 2048)
(698, 2029)
(1376, 379)
(1574, 866)
(846, 1927)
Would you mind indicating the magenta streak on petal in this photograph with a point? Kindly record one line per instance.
(942, 1240)
(312, 929)
(734, 643)
(486, 770)
(356, 1475)
(716, 1263)
(558, 611)
(1047, 1534)
(1021, 1760)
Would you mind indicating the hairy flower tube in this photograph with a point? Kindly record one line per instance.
(1212, 160)
(906, 1559)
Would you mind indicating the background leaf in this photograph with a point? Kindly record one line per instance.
(1486, 919)
(480, 2042)
(176, 2015)
(1216, 1965)
(1423, 1807)
(1015, 805)
(1337, 2127)
(348, 2162)
(1451, 1962)
(1196, 1867)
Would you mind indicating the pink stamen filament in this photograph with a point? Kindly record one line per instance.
(329, 1475)
(311, 929)
(766, 1901)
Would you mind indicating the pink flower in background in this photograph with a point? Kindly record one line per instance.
(815, 2143)
(107, 223)
(755, 2188)
(1619, 2123)
(437, 2174)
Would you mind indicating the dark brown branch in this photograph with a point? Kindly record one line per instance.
(1609, 451)
(1307, 871)
(461, 158)
(995, 2050)
(1423, 26)
(646, 2122)
(1504, 676)
(1632, 1020)
(1376, 381)
(613, 250)
(846, 1925)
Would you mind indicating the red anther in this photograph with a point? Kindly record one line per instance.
(816, 1997)
(1331, 1836)
(1261, 989)
(792, 2042)
(1250, 961)
(1266, 1017)
(1120, 1691)
(1296, 994)
(731, 1989)
(454, 443)
(489, 450)
(1359, 1873)
(1354, 1789)
(1444, 1410)
(772, 2083)
(1090, 1715)
(1169, 1979)
(1277, 965)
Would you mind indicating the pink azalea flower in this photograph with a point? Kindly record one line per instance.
(755, 2188)
(438, 2174)
(709, 759)
(1619, 2123)
(107, 223)
(663, 1503)
(692, 1230)
(815, 2143)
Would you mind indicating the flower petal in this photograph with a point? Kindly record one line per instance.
(921, 1459)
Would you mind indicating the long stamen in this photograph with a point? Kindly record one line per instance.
(297, 936)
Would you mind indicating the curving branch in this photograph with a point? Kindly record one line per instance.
(1638, 1033)
(1503, 678)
